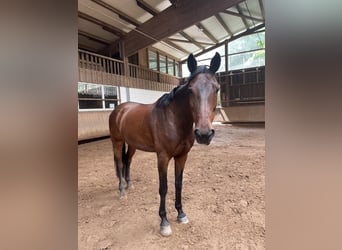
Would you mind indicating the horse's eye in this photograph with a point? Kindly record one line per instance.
(190, 90)
(217, 90)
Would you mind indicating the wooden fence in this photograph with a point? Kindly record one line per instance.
(94, 68)
(241, 87)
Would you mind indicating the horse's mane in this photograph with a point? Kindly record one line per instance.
(167, 98)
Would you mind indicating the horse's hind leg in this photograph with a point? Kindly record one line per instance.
(165, 228)
(117, 149)
(130, 152)
(179, 167)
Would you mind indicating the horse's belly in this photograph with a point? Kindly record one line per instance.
(139, 137)
(141, 143)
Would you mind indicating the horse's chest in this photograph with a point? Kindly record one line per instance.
(183, 147)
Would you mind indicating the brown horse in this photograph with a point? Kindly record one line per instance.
(167, 128)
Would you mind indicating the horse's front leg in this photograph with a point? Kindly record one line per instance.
(163, 161)
(179, 167)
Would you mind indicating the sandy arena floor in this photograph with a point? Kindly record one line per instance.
(223, 196)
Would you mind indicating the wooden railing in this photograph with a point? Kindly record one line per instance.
(241, 87)
(94, 68)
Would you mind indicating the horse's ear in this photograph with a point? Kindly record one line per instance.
(215, 63)
(192, 63)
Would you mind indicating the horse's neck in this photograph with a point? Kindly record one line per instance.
(183, 114)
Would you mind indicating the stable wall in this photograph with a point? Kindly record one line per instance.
(245, 113)
(94, 123)
(139, 95)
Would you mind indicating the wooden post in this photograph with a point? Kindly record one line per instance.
(227, 77)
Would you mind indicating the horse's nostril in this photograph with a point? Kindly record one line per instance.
(204, 137)
(208, 134)
(211, 132)
(197, 132)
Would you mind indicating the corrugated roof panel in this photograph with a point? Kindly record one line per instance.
(254, 8)
(169, 50)
(235, 23)
(159, 5)
(102, 14)
(177, 36)
(192, 48)
(131, 7)
(211, 25)
(233, 9)
(215, 28)
(197, 35)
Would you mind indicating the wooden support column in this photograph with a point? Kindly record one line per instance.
(124, 58)
(226, 55)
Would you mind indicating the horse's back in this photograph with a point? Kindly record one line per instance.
(120, 113)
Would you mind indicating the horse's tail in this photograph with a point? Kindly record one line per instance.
(124, 162)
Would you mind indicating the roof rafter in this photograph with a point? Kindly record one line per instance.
(94, 37)
(104, 25)
(122, 15)
(247, 32)
(175, 19)
(206, 32)
(187, 41)
(169, 42)
(232, 13)
(242, 16)
(191, 39)
(224, 25)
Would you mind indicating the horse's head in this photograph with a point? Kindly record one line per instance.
(203, 87)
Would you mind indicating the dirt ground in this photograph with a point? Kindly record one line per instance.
(223, 196)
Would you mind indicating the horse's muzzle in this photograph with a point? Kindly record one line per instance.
(204, 138)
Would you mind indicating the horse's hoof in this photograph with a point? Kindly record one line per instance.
(165, 230)
(122, 195)
(129, 186)
(183, 220)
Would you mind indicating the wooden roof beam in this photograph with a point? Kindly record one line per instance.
(174, 20)
(122, 15)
